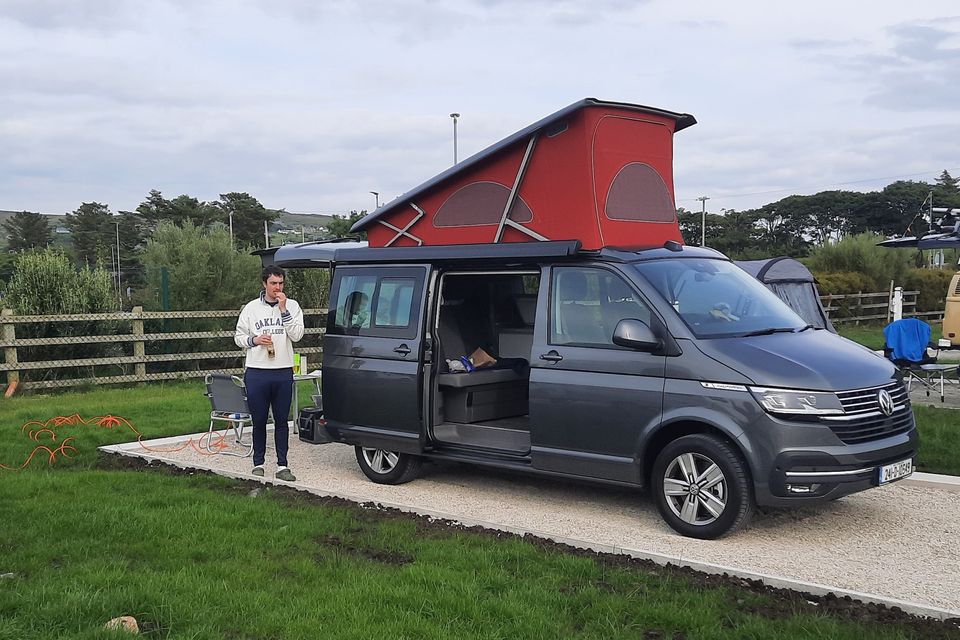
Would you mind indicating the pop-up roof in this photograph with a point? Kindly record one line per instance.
(598, 172)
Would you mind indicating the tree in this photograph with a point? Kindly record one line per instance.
(339, 227)
(92, 233)
(735, 235)
(26, 230)
(781, 230)
(204, 271)
(248, 217)
(946, 191)
(948, 182)
(895, 210)
(180, 210)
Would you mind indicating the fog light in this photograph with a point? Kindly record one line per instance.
(803, 488)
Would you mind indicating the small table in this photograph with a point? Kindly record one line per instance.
(295, 405)
(930, 376)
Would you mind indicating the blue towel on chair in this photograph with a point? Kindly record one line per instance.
(907, 339)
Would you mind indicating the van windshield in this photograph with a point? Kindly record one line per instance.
(716, 298)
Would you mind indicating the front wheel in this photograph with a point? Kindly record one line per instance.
(702, 487)
(387, 467)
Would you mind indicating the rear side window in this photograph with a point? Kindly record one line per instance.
(394, 302)
(382, 302)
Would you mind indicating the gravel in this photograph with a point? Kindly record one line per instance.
(899, 541)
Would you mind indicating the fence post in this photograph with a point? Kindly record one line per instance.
(859, 307)
(897, 303)
(140, 367)
(10, 353)
(890, 302)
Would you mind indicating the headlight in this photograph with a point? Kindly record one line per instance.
(807, 403)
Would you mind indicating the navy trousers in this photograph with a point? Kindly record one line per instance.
(269, 389)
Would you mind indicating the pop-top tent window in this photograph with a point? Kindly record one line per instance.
(639, 193)
(480, 203)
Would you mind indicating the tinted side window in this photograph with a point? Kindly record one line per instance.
(380, 303)
(353, 301)
(587, 303)
(394, 302)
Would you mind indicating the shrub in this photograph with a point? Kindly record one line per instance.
(309, 287)
(932, 285)
(843, 283)
(859, 254)
(46, 283)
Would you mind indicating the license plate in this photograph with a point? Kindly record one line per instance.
(896, 471)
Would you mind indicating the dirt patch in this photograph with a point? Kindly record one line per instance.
(774, 603)
(383, 556)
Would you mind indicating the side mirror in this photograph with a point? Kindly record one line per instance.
(635, 334)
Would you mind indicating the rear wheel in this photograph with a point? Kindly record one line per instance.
(387, 467)
(702, 486)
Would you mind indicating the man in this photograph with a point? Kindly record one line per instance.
(267, 328)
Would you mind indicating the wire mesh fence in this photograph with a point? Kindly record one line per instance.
(58, 351)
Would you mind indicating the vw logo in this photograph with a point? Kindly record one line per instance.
(886, 402)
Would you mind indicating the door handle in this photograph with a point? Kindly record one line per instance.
(552, 356)
(403, 350)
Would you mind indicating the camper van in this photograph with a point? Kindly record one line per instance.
(533, 309)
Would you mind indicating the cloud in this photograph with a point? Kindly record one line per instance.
(914, 71)
(761, 166)
(98, 15)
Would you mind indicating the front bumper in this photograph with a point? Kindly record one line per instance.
(811, 476)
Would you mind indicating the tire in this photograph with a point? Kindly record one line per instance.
(387, 467)
(720, 502)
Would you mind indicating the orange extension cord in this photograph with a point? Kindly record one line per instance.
(35, 430)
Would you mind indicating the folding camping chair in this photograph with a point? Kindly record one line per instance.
(228, 403)
(908, 346)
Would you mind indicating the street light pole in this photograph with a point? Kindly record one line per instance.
(119, 282)
(376, 195)
(703, 220)
(454, 116)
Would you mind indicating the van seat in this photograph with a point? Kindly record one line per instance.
(515, 343)
(482, 376)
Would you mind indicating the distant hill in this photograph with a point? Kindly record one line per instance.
(56, 219)
(297, 220)
(56, 222)
(289, 227)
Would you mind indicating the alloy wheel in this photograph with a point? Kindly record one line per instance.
(695, 488)
(380, 461)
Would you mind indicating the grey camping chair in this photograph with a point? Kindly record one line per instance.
(228, 403)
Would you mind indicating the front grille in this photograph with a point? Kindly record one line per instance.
(863, 420)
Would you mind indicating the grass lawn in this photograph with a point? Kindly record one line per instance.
(199, 556)
(871, 335)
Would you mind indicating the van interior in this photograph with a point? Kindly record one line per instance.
(487, 408)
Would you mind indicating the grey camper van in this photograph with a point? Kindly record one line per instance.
(667, 368)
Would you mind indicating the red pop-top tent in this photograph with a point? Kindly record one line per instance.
(598, 172)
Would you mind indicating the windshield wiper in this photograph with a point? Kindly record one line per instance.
(766, 332)
(804, 328)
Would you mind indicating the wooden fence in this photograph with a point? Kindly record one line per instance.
(141, 346)
(872, 307)
(135, 346)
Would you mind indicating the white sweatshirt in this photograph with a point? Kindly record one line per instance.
(259, 317)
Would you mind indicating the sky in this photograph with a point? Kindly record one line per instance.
(309, 105)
